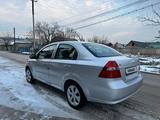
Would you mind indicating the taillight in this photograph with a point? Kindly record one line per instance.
(110, 70)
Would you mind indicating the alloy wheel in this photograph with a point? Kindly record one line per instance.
(28, 75)
(73, 95)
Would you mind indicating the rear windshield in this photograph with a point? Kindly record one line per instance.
(99, 50)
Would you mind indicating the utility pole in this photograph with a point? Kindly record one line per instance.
(33, 20)
(14, 32)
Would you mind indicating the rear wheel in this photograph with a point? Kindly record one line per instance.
(75, 96)
(29, 76)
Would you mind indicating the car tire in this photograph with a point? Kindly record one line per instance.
(29, 76)
(75, 96)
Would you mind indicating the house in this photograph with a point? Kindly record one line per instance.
(106, 42)
(21, 45)
(119, 45)
(137, 44)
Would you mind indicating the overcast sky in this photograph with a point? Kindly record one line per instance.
(18, 13)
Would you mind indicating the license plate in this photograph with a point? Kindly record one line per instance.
(131, 70)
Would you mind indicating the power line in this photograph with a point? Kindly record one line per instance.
(45, 7)
(124, 14)
(44, 11)
(106, 12)
(88, 12)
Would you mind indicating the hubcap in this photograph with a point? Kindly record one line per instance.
(73, 95)
(28, 75)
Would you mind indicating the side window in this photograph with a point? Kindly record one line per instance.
(66, 52)
(47, 52)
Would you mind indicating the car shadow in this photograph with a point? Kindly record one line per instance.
(43, 88)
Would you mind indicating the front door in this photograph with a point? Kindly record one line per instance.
(41, 64)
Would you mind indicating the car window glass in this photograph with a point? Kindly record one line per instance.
(47, 52)
(99, 50)
(66, 52)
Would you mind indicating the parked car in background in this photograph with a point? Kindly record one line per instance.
(85, 71)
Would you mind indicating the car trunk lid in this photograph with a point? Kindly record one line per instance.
(129, 67)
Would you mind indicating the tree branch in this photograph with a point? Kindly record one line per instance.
(150, 20)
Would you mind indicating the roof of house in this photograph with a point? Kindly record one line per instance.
(154, 45)
(138, 44)
(22, 41)
(11, 40)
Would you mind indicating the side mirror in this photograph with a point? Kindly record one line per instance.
(33, 56)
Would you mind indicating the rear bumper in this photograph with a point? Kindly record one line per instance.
(117, 91)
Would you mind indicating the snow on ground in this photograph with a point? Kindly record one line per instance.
(22, 95)
(149, 64)
(149, 60)
(150, 69)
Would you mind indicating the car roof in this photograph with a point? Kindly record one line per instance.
(72, 42)
(79, 47)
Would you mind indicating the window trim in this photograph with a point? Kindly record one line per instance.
(53, 55)
(59, 47)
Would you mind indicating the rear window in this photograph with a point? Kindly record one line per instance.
(99, 50)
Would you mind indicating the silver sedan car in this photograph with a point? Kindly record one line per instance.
(85, 71)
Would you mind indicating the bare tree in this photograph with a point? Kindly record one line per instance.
(46, 32)
(29, 35)
(153, 20)
(71, 33)
(100, 39)
(7, 40)
(95, 39)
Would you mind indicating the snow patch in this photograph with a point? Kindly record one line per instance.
(12, 77)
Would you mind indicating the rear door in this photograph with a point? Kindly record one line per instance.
(62, 63)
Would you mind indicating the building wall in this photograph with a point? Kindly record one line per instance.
(22, 47)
